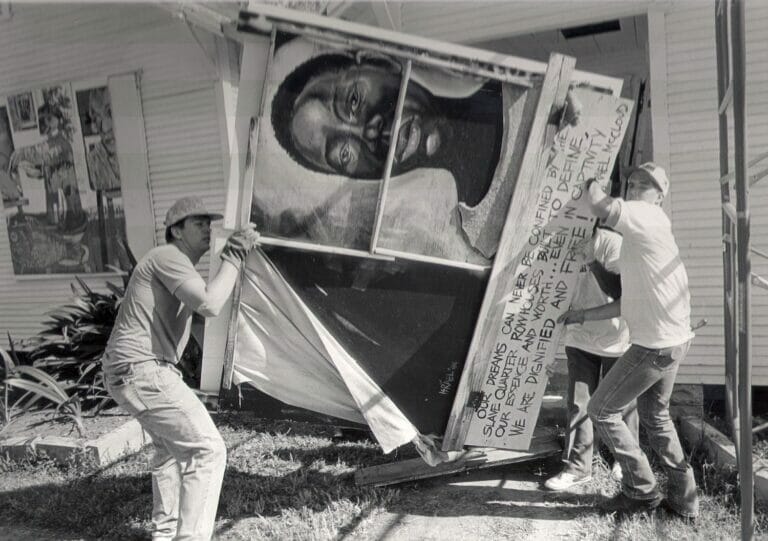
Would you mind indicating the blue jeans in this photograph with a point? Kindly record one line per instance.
(190, 455)
(584, 372)
(647, 375)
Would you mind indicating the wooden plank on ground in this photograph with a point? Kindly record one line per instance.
(470, 459)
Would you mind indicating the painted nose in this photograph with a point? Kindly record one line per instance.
(373, 128)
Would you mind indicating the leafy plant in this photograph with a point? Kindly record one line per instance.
(66, 357)
(36, 385)
(71, 345)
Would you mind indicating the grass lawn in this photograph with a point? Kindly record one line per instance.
(288, 480)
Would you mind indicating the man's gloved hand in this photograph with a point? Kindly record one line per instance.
(239, 244)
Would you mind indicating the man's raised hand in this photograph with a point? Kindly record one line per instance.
(239, 244)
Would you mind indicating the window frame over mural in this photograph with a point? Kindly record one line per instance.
(62, 184)
(419, 213)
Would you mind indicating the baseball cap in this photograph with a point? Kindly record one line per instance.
(656, 173)
(186, 207)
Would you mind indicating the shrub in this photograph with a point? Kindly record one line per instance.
(71, 345)
(33, 384)
(74, 338)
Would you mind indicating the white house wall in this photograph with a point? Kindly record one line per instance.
(694, 168)
(178, 78)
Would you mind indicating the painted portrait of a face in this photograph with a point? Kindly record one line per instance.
(342, 117)
(332, 114)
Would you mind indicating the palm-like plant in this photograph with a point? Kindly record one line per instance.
(72, 343)
(35, 385)
(66, 359)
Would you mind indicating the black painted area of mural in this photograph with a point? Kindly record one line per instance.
(247, 397)
(408, 324)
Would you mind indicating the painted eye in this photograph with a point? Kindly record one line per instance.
(354, 100)
(345, 155)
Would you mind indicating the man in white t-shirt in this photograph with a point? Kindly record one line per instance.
(655, 302)
(152, 327)
(592, 348)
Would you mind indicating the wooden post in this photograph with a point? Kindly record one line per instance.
(250, 166)
(243, 218)
(254, 72)
(551, 97)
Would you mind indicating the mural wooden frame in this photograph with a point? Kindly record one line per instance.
(548, 82)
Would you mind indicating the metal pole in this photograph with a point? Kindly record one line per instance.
(746, 480)
(728, 227)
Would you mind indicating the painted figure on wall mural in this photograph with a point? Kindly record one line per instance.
(64, 181)
(21, 109)
(103, 169)
(52, 160)
(322, 155)
(9, 188)
(95, 107)
(323, 142)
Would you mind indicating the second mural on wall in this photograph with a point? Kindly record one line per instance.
(61, 180)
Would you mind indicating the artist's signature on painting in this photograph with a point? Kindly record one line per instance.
(446, 382)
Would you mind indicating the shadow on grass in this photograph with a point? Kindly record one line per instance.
(106, 507)
(277, 471)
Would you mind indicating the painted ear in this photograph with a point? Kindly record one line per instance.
(378, 58)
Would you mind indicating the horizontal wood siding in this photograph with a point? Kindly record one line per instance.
(694, 170)
(49, 43)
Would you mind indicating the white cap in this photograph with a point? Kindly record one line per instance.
(656, 173)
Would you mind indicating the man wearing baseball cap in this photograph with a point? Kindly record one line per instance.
(655, 303)
(151, 330)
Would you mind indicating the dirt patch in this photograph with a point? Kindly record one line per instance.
(46, 423)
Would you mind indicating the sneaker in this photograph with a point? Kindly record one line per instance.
(623, 505)
(565, 480)
(616, 472)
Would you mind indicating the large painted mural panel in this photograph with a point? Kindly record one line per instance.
(374, 145)
(327, 143)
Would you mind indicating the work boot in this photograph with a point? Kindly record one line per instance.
(687, 516)
(623, 505)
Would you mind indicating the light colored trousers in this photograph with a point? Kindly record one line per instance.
(190, 455)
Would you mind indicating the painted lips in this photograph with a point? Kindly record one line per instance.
(408, 139)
